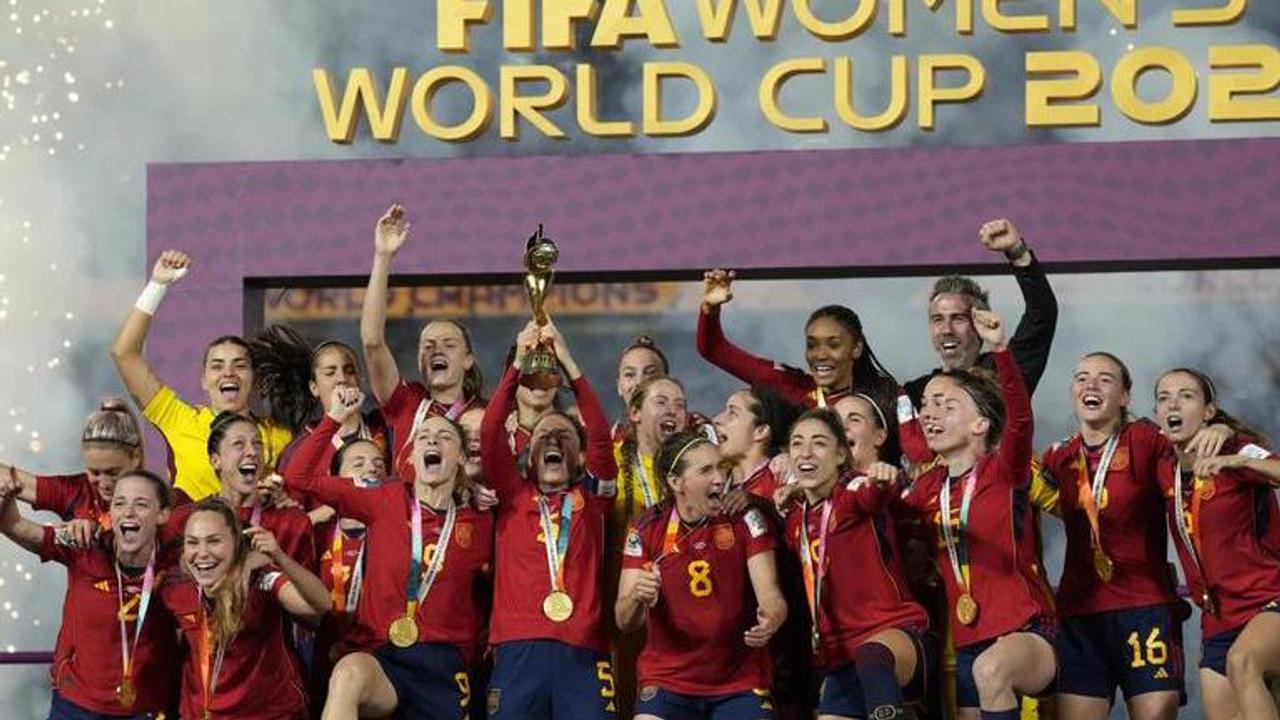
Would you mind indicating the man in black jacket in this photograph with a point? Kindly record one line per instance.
(953, 297)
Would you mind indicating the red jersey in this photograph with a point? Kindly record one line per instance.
(449, 614)
(1131, 522)
(87, 662)
(694, 644)
(71, 497)
(257, 678)
(290, 525)
(761, 483)
(999, 537)
(523, 572)
(311, 452)
(408, 406)
(1236, 518)
(794, 384)
(863, 591)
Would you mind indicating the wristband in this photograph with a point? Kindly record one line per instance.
(150, 298)
(1017, 252)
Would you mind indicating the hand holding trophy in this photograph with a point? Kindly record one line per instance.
(540, 370)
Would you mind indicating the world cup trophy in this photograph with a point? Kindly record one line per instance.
(540, 370)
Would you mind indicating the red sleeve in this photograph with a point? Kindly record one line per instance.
(868, 497)
(301, 543)
(715, 348)
(342, 495)
(404, 399)
(497, 463)
(635, 555)
(911, 433)
(755, 528)
(51, 551)
(600, 460)
(308, 449)
(57, 493)
(1014, 452)
(1242, 445)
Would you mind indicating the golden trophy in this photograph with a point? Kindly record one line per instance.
(540, 370)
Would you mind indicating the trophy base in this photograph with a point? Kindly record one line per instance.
(540, 370)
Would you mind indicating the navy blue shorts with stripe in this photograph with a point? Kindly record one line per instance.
(841, 690)
(1213, 650)
(967, 689)
(1135, 650)
(668, 705)
(430, 680)
(536, 679)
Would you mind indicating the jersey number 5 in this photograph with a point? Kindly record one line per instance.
(700, 578)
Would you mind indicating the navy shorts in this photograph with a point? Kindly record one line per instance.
(966, 688)
(1138, 650)
(430, 680)
(1213, 650)
(841, 691)
(61, 708)
(544, 679)
(668, 705)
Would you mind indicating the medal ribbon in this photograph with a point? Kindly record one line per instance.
(556, 555)
(642, 478)
(957, 550)
(819, 398)
(421, 586)
(1189, 531)
(672, 537)
(813, 577)
(208, 679)
(128, 651)
(1092, 500)
(345, 595)
(255, 517)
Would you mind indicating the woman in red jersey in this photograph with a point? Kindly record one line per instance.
(110, 445)
(639, 361)
(419, 613)
(1226, 526)
(705, 586)
(751, 430)
(869, 636)
(550, 646)
(837, 351)
(1004, 622)
(450, 373)
(1122, 621)
(229, 609)
(114, 657)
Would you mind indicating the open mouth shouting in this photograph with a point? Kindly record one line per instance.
(432, 459)
(667, 428)
(1173, 423)
(229, 390)
(1091, 401)
(249, 471)
(437, 364)
(130, 532)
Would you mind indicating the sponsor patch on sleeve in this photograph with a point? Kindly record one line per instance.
(1255, 452)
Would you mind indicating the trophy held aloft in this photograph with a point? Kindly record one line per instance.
(540, 370)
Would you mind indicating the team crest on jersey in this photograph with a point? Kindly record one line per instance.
(755, 523)
(633, 546)
(494, 700)
(464, 535)
(1120, 460)
(724, 537)
(578, 501)
(648, 692)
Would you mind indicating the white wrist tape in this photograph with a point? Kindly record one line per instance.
(150, 298)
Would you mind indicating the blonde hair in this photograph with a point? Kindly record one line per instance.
(231, 594)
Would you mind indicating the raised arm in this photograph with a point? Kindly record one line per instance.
(497, 462)
(716, 349)
(1033, 337)
(304, 595)
(18, 483)
(600, 461)
(28, 535)
(388, 236)
(1014, 450)
(126, 352)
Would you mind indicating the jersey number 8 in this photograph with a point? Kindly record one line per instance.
(700, 578)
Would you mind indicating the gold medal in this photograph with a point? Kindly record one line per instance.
(966, 609)
(557, 606)
(1207, 489)
(1103, 566)
(404, 632)
(126, 693)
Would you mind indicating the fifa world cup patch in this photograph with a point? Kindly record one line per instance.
(633, 547)
(755, 523)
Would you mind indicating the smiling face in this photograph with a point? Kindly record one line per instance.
(437, 452)
(661, 414)
(104, 462)
(816, 455)
(334, 366)
(1181, 406)
(443, 356)
(1098, 392)
(228, 377)
(951, 331)
(861, 428)
(362, 462)
(950, 417)
(700, 486)
(555, 451)
(470, 421)
(830, 350)
(136, 512)
(737, 427)
(636, 366)
(239, 461)
(208, 548)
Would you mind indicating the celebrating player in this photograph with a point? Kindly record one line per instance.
(418, 617)
(1004, 620)
(752, 429)
(705, 586)
(228, 380)
(229, 611)
(451, 380)
(550, 647)
(1223, 512)
(114, 658)
(639, 361)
